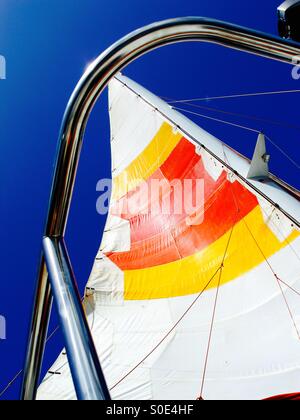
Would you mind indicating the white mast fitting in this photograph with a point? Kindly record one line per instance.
(260, 162)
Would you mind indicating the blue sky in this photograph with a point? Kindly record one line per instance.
(47, 45)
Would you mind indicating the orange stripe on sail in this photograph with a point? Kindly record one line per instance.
(162, 238)
(190, 275)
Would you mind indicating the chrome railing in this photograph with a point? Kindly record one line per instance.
(55, 272)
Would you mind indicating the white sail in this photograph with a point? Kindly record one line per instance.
(193, 304)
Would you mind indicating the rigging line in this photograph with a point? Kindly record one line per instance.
(281, 281)
(169, 332)
(277, 279)
(217, 119)
(289, 287)
(214, 311)
(216, 301)
(210, 335)
(243, 95)
(242, 127)
(11, 383)
(251, 117)
(283, 152)
(52, 334)
(279, 230)
(288, 306)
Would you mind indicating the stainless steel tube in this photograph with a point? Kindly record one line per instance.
(83, 360)
(38, 332)
(82, 101)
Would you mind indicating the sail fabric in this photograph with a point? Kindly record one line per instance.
(189, 297)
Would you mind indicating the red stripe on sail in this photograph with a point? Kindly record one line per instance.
(160, 239)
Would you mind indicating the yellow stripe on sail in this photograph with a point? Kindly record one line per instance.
(190, 275)
(148, 162)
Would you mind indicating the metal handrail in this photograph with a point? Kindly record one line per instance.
(87, 375)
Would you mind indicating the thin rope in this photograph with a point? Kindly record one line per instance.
(244, 128)
(218, 120)
(210, 335)
(168, 333)
(289, 287)
(243, 95)
(279, 281)
(215, 308)
(288, 306)
(249, 117)
(12, 382)
(283, 152)
(52, 334)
